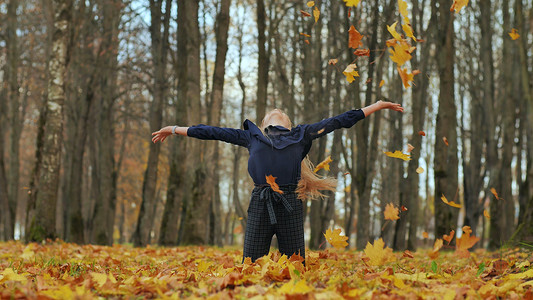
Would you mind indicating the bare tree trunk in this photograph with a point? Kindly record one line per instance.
(263, 62)
(42, 224)
(15, 113)
(142, 234)
(446, 161)
(105, 182)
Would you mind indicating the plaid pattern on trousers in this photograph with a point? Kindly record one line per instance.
(287, 224)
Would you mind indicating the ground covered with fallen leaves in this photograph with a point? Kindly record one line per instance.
(63, 271)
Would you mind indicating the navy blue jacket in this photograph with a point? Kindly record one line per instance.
(280, 152)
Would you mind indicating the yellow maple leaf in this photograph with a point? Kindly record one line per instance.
(458, 5)
(391, 212)
(400, 53)
(408, 29)
(378, 253)
(514, 34)
(450, 203)
(352, 3)
(486, 214)
(399, 154)
(465, 242)
(295, 287)
(323, 164)
(272, 181)
(407, 78)
(402, 7)
(316, 14)
(9, 275)
(393, 32)
(436, 247)
(310, 3)
(350, 73)
(335, 239)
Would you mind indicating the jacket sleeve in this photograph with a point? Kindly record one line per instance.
(344, 120)
(229, 135)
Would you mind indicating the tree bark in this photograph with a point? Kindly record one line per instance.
(263, 62)
(446, 161)
(42, 224)
(142, 234)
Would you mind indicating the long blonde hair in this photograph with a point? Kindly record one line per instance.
(310, 184)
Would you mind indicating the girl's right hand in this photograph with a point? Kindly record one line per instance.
(162, 134)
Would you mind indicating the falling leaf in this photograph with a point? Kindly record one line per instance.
(458, 5)
(310, 3)
(445, 140)
(410, 148)
(449, 237)
(354, 38)
(399, 154)
(486, 214)
(465, 242)
(407, 78)
(272, 181)
(402, 7)
(316, 14)
(514, 34)
(408, 29)
(352, 3)
(381, 83)
(421, 133)
(493, 191)
(307, 42)
(335, 238)
(323, 164)
(393, 32)
(350, 73)
(362, 52)
(450, 203)
(436, 247)
(403, 208)
(420, 170)
(304, 13)
(425, 234)
(400, 53)
(378, 253)
(333, 61)
(305, 34)
(391, 212)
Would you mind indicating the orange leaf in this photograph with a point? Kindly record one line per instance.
(304, 13)
(445, 140)
(354, 38)
(391, 212)
(403, 208)
(448, 237)
(486, 214)
(458, 5)
(450, 203)
(408, 254)
(333, 61)
(436, 247)
(410, 148)
(398, 154)
(406, 77)
(514, 34)
(425, 234)
(381, 83)
(272, 181)
(323, 164)
(421, 133)
(305, 34)
(316, 14)
(378, 253)
(335, 239)
(493, 191)
(465, 242)
(307, 42)
(362, 52)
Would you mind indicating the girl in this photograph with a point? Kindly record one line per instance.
(277, 149)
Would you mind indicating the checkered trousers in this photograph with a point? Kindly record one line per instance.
(272, 213)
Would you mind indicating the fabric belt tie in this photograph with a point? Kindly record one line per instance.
(268, 194)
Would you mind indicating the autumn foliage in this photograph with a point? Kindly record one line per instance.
(65, 271)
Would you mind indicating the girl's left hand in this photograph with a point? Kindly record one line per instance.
(391, 105)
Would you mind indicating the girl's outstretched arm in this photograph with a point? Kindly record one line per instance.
(164, 132)
(379, 105)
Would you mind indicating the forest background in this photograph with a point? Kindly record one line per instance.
(84, 83)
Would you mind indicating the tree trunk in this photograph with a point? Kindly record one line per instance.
(263, 62)
(104, 169)
(142, 234)
(42, 224)
(446, 161)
